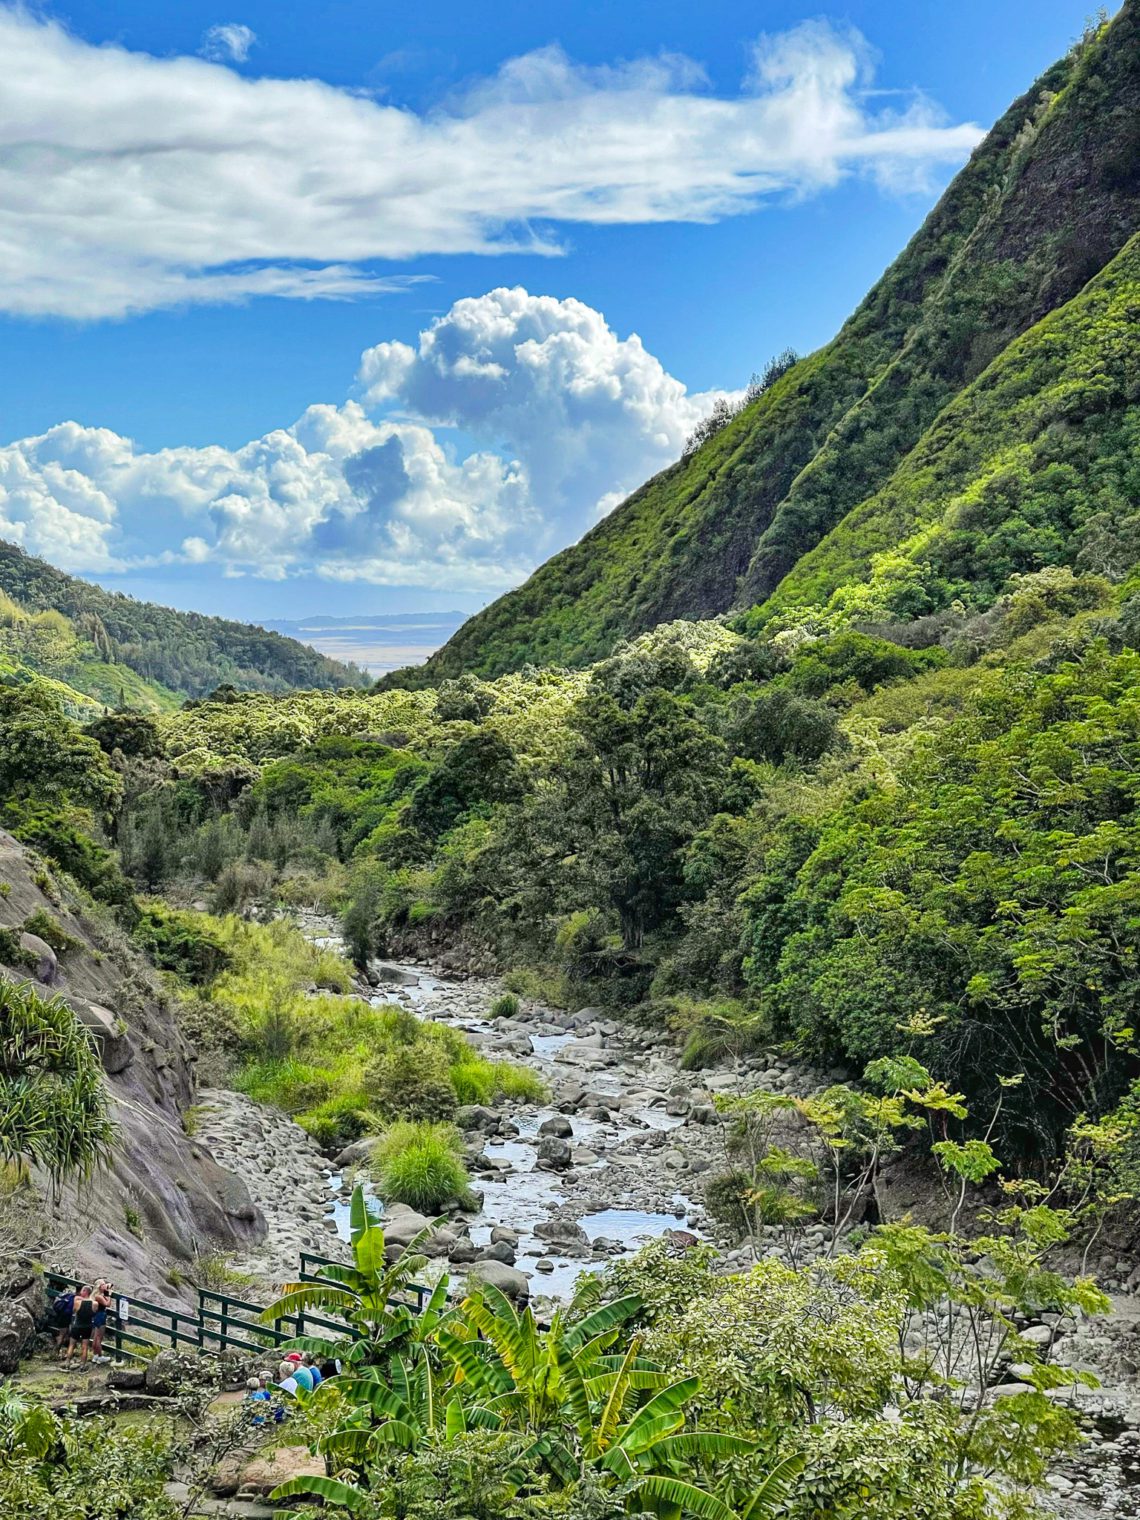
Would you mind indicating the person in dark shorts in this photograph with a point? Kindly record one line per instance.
(82, 1326)
(63, 1307)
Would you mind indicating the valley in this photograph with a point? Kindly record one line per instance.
(669, 1048)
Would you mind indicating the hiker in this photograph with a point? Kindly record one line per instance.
(314, 1371)
(258, 1393)
(82, 1326)
(104, 1298)
(302, 1375)
(285, 1379)
(63, 1307)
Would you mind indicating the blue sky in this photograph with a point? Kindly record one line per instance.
(232, 451)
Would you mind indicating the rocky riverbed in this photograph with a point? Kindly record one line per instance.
(619, 1154)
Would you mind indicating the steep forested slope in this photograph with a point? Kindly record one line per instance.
(185, 652)
(1046, 201)
(1035, 464)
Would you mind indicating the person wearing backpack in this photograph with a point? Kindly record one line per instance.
(82, 1326)
(63, 1307)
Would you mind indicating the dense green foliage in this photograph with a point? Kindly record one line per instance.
(670, 1386)
(103, 642)
(1046, 201)
(53, 1107)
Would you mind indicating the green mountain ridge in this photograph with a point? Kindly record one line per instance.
(1047, 201)
(144, 654)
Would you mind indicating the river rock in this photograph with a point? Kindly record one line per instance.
(497, 1274)
(554, 1155)
(463, 1252)
(502, 1232)
(401, 1226)
(565, 1234)
(475, 1116)
(558, 1126)
(498, 1250)
(357, 1153)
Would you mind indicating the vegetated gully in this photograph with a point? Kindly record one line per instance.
(624, 1183)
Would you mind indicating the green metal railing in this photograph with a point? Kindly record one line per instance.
(221, 1320)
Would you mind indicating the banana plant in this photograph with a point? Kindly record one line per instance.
(585, 1408)
(371, 1296)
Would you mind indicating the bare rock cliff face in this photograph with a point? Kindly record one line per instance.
(163, 1199)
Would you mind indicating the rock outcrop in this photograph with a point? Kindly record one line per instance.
(163, 1199)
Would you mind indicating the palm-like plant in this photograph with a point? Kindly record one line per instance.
(585, 1407)
(371, 1296)
(577, 1405)
(53, 1103)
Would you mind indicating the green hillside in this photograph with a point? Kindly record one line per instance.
(1036, 464)
(1046, 201)
(158, 650)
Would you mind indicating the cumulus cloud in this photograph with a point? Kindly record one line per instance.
(129, 182)
(230, 40)
(590, 414)
(564, 417)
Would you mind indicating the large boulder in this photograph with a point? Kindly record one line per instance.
(476, 1116)
(46, 967)
(262, 1473)
(565, 1235)
(116, 1052)
(171, 1370)
(17, 1332)
(401, 1225)
(357, 1153)
(558, 1126)
(508, 1280)
(498, 1250)
(554, 1155)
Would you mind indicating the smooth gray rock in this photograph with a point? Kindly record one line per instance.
(475, 1116)
(46, 969)
(508, 1280)
(498, 1250)
(358, 1152)
(554, 1155)
(558, 1126)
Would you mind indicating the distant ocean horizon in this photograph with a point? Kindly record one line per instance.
(377, 643)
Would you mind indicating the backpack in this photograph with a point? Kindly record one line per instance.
(64, 1303)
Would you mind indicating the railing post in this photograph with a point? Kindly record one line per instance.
(224, 1321)
(201, 1321)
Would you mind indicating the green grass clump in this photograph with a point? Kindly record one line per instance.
(419, 1164)
(519, 1083)
(505, 1007)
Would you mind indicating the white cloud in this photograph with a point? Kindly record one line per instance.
(589, 414)
(230, 40)
(129, 182)
(565, 417)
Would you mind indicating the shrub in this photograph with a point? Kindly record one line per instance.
(505, 1007)
(52, 933)
(338, 1121)
(412, 1082)
(12, 953)
(189, 944)
(519, 1083)
(291, 1085)
(419, 1164)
